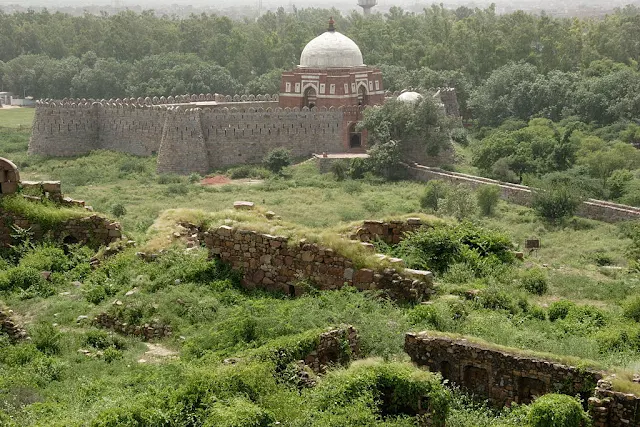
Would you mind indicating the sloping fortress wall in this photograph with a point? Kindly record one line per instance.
(195, 137)
(522, 195)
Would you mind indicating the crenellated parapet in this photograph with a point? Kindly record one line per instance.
(189, 133)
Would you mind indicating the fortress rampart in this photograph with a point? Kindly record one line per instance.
(195, 133)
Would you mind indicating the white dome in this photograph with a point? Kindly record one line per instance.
(409, 97)
(331, 50)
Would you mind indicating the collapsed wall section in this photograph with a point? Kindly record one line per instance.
(182, 148)
(62, 130)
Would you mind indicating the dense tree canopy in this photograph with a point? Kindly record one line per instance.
(515, 65)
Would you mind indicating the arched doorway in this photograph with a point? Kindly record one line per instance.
(355, 137)
(309, 97)
(362, 95)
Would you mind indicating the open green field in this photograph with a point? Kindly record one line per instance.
(16, 117)
(583, 263)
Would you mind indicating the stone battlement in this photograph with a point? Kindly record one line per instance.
(189, 137)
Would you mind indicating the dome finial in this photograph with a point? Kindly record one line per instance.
(331, 22)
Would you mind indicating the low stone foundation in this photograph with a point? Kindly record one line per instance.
(612, 408)
(331, 349)
(500, 377)
(276, 264)
(9, 327)
(92, 230)
(147, 331)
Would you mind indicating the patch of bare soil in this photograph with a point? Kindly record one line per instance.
(157, 353)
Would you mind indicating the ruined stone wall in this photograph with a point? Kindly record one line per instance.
(276, 264)
(522, 195)
(498, 376)
(92, 230)
(64, 129)
(183, 146)
(331, 349)
(390, 232)
(612, 408)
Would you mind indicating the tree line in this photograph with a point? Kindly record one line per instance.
(514, 65)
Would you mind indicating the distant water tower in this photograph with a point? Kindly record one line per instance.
(366, 5)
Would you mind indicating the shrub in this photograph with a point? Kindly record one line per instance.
(557, 410)
(169, 178)
(488, 197)
(118, 210)
(396, 388)
(277, 160)
(111, 354)
(46, 338)
(434, 192)
(442, 245)
(46, 257)
(358, 168)
(536, 312)
(460, 136)
(494, 299)
(460, 203)
(24, 277)
(95, 294)
(632, 308)
(560, 309)
(339, 169)
(248, 171)
(237, 412)
(556, 203)
(534, 280)
(194, 177)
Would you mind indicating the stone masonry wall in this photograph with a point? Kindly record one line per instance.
(167, 127)
(390, 232)
(498, 376)
(276, 264)
(612, 408)
(331, 350)
(93, 230)
(519, 194)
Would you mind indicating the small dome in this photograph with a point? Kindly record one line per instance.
(409, 97)
(331, 50)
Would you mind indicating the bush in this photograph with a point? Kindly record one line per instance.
(46, 257)
(560, 309)
(488, 197)
(194, 178)
(277, 160)
(632, 308)
(248, 171)
(238, 412)
(358, 167)
(339, 169)
(534, 280)
(556, 203)
(442, 245)
(118, 210)
(111, 354)
(460, 136)
(494, 299)
(557, 410)
(460, 203)
(434, 192)
(46, 338)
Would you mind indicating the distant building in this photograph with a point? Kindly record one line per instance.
(5, 98)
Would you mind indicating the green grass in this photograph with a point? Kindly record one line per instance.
(16, 117)
(213, 319)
